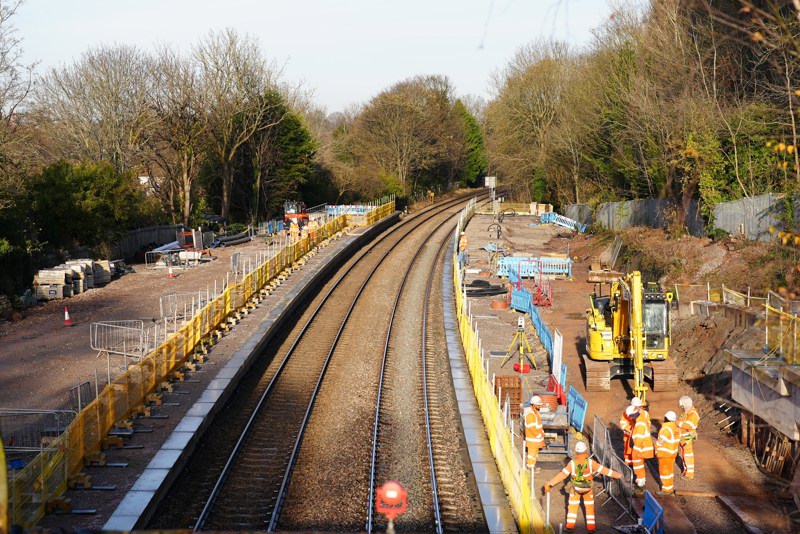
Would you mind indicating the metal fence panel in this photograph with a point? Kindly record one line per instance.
(749, 217)
(136, 239)
(80, 396)
(32, 430)
(579, 212)
(601, 441)
(621, 490)
(118, 337)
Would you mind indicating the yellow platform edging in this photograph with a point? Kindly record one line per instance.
(516, 479)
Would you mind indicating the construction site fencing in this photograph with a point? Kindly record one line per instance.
(135, 240)
(80, 396)
(32, 430)
(533, 267)
(601, 440)
(781, 335)
(46, 476)
(620, 490)
(521, 300)
(183, 304)
(516, 478)
(126, 337)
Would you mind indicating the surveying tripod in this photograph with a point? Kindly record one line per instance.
(519, 344)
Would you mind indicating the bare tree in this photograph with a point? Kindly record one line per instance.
(235, 77)
(402, 131)
(98, 106)
(16, 82)
(175, 142)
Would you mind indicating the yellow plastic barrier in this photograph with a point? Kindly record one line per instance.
(37, 487)
(516, 478)
(3, 490)
(782, 332)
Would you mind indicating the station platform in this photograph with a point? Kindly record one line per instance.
(154, 481)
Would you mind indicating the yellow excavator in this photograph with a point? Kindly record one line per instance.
(628, 333)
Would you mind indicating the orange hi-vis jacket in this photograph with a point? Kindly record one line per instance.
(625, 424)
(642, 440)
(534, 432)
(669, 439)
(688, 424)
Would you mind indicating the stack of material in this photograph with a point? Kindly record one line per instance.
(75, 276)
(102, 272)
(88, 271)
(56, 283)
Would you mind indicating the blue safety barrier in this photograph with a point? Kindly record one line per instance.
(563, 380)
(521, 301)
(351, 209)
(577, 406)
(530, 267)
(565, 222)
(653, 515)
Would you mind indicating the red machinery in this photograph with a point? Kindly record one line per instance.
(295, 210)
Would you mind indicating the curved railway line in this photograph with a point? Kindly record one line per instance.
(250, 484)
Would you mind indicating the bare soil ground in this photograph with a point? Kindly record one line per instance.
(723, 466)
(41, 359)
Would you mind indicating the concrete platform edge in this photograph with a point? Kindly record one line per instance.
(496, 509)
(138, 507)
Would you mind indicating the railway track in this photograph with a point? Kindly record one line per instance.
(394, 435)
(432, 434)
(251, 485)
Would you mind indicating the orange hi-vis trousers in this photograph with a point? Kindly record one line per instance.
(627, 449)
(666, 472)
(638, 468)
(687, 455)
(574, 504)
(533, 454)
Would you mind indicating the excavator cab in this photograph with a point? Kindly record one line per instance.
(628, 334)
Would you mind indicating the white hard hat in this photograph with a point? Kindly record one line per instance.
(630, 410)
(670, 416)
(685, 402)
(581, 447)
(636, 402)
(536, 400)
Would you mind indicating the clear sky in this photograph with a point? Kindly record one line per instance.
(344, 50)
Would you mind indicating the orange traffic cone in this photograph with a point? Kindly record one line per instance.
(67, 322)
(171, 274)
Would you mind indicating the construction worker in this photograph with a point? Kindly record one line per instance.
(642, 442)
(626, 424)
(312, 229)
(687, 424)
(582, 470)
(462, 242)
(534, 432)
(669, 438)
(294, 230)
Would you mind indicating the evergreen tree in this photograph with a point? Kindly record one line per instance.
(475, 161)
